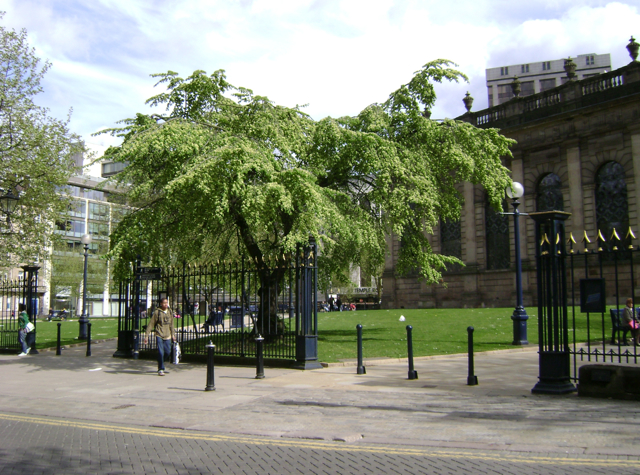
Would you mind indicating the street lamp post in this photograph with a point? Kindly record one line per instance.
(519, 317)
(82, 335)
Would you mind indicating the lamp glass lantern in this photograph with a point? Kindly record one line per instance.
(86, 239)
(8, 202)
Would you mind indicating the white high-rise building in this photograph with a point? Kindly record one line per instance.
(540, 76)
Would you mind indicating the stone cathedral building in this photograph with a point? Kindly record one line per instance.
(578, 150)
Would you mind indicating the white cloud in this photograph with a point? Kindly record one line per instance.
(336, 55)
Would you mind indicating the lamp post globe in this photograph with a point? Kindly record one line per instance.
(82, 331)
(519, 317)
(516, 190)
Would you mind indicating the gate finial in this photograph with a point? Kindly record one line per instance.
(630, 234)
(601, 239)
(586, 240)
(614, 237)
(571, 241)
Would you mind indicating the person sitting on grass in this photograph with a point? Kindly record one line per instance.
(630, 322)
(162, 322)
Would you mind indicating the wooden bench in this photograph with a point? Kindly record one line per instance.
(617, 325)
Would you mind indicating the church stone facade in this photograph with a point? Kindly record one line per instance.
(577, 150)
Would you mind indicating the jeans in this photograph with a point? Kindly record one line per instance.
(164, 351)
(22, 337)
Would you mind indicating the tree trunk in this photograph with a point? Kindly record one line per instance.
(268, 323)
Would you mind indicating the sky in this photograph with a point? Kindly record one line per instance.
(336, 56)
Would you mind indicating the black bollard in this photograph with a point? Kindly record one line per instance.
(412, 373)
(210, 368)
(472, 379)
(58, 349)
(259, 357)
(88, 339)
(361, 368)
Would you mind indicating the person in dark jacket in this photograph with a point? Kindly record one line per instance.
(162, 322)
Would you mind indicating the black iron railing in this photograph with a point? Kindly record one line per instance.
(583, 289)
(229, 304)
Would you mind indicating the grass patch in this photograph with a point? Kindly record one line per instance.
(435, 331)
(47, 332)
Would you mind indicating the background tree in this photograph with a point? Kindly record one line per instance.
(67, 273)
(225, 172)
(35, 153)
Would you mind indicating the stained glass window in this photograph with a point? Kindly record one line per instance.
(497, 234)
(612, 206)
(451, 238)
(549, 194)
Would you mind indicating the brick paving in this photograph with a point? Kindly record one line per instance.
(37, 445)
(73, 414)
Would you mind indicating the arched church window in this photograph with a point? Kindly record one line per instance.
(549, 194)
(612, 206)
(497, 236)
(451, 238)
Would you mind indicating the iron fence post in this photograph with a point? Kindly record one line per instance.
(210, 367)
(58, 349)
(472, 379)
(307, 335)
(88, 339)
(412, 373)
(82, 321)
(259, 357)
(554, 354)
(29, 291)
(361, 368)
(136, 311)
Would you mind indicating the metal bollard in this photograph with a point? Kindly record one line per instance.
(88, 339)
(210, 368)
(361, 368)
(472, 379)
(259, 357)
(412, 373)
(58, 348)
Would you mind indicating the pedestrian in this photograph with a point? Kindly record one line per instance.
(23, 331)
(630, 322)
(50, 315)
(162, 322)
(339, 304)
(331, 303)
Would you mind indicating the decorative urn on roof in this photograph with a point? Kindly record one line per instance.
(570, 68)
(468, 101)
(516, 87)
(632, 48)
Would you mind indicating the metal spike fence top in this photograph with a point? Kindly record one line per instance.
(614, 239)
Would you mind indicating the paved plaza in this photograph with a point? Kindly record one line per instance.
(73, 414)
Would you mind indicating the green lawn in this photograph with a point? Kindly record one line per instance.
(47, 332)
(435, 331)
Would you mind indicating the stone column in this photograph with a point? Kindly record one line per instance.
(470, 255)
(576, 197)
(635, 154)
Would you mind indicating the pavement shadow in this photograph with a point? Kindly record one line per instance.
(75, 359)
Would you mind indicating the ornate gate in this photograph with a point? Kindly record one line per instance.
(229, 304)
(12, 293)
